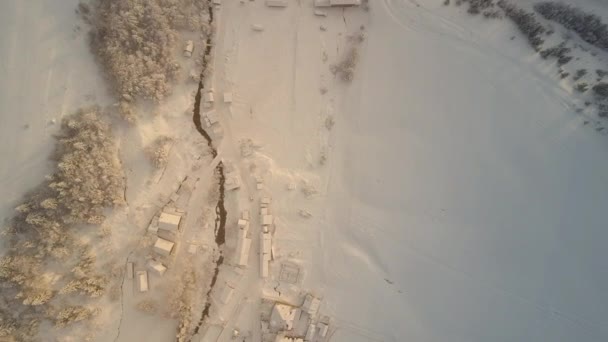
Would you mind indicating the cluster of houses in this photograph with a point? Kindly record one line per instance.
(296, 323)
(210, 117)
(165, 228)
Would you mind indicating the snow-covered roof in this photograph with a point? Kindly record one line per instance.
(267, 220)
(142, 278)
(157, 267)
(311, 304)
(168, 221)
(282, 317)
(242, 251)
(163, 247)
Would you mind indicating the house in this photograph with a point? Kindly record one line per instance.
(142, 278)
(163, 247)
(245, 215)
(276, 3)
(188, 48)
(169, 222)
(157, 267)
(282, 317)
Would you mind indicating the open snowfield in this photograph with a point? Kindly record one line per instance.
(46, 71)
(458, 197)
(464, 178)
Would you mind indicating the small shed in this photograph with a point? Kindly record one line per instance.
(163, 247)
(169, 222)
(208, 97)
(142, 279)
(243, 224)
(245, 215)
(188, 48)
(267, 220)
(157, 267)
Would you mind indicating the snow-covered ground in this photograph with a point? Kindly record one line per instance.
(461, 198)
(46, 71)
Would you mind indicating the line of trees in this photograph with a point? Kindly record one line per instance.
(47, 264)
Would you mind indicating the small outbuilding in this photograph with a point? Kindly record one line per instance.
(267, 220)
(157, 267)
(163, 247)
(188, 48)
(142, 279)
(169, 222)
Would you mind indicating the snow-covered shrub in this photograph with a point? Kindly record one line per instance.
(580, 73)
(601, 90)
(346, 68)
(581, 87)
(588, 26)
(525, 21)
(487, 7)
(158, 151)
(73, 314)
(559, 51)
(134, 41)
(148, 306)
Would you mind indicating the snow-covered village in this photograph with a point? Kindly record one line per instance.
(303, 170)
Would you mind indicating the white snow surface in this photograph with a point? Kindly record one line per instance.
(46, 71)
(462, 198)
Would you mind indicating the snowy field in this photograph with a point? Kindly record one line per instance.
(465, 180)
(46, 71)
